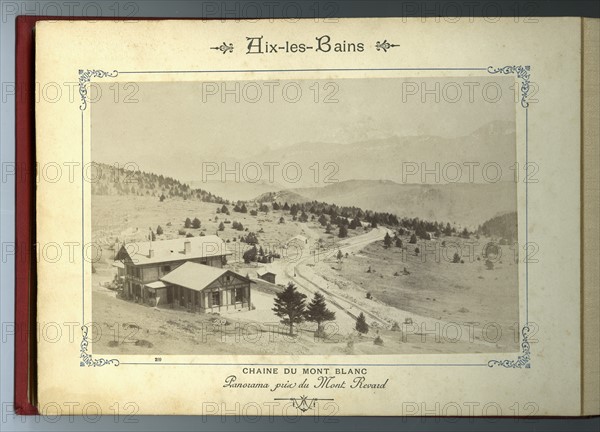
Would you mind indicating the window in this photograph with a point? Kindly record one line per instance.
(216, 298)
(239, 295)
(166, 269)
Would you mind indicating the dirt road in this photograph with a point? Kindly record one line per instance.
(300, 272)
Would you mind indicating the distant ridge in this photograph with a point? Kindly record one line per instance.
(463, 204)
(109, 180)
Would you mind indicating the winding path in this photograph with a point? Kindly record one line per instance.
(302, 277)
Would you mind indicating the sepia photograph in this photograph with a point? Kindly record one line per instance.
(358, 216)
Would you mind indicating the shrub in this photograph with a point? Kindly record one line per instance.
(378, 341)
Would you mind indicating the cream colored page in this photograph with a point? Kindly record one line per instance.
(538, 377)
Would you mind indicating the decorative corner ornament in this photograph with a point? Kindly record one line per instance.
(224, 48)
(522, 72)
(85, 75)
(87, 359)
(303, 403)
(523, 360)
(385, 45)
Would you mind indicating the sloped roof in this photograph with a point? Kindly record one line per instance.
(156, 284)
(196, 276)
(118, 264)
(264, 272)
(173, 250)
(298, 237)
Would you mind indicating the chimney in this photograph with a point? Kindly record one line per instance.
(151, 253)
(187, 247)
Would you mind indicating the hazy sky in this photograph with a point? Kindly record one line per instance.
(175, 124)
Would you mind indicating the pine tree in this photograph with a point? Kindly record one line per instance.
(322, 220)
(196, 223)
(250, 255)
(361, 324)
(159, 230)
(317, 312)
(221, 226)
(387, 241)
(294, 209)
(188, 223)
(343, 231)
(413, 239)
(290, 306)
(448, 229)
(399, 242)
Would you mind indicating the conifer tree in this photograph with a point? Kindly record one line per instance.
(361, 324)
(290, 306)
(317, 312)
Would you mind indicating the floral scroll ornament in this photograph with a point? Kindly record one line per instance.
(522, 73)
(523, 360)
(224, 48)
(85, 75)
(385, 45)
(303, 403)
(87, 359)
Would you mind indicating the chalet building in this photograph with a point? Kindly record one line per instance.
(202, 288)
(183, 273)
(266, 276)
